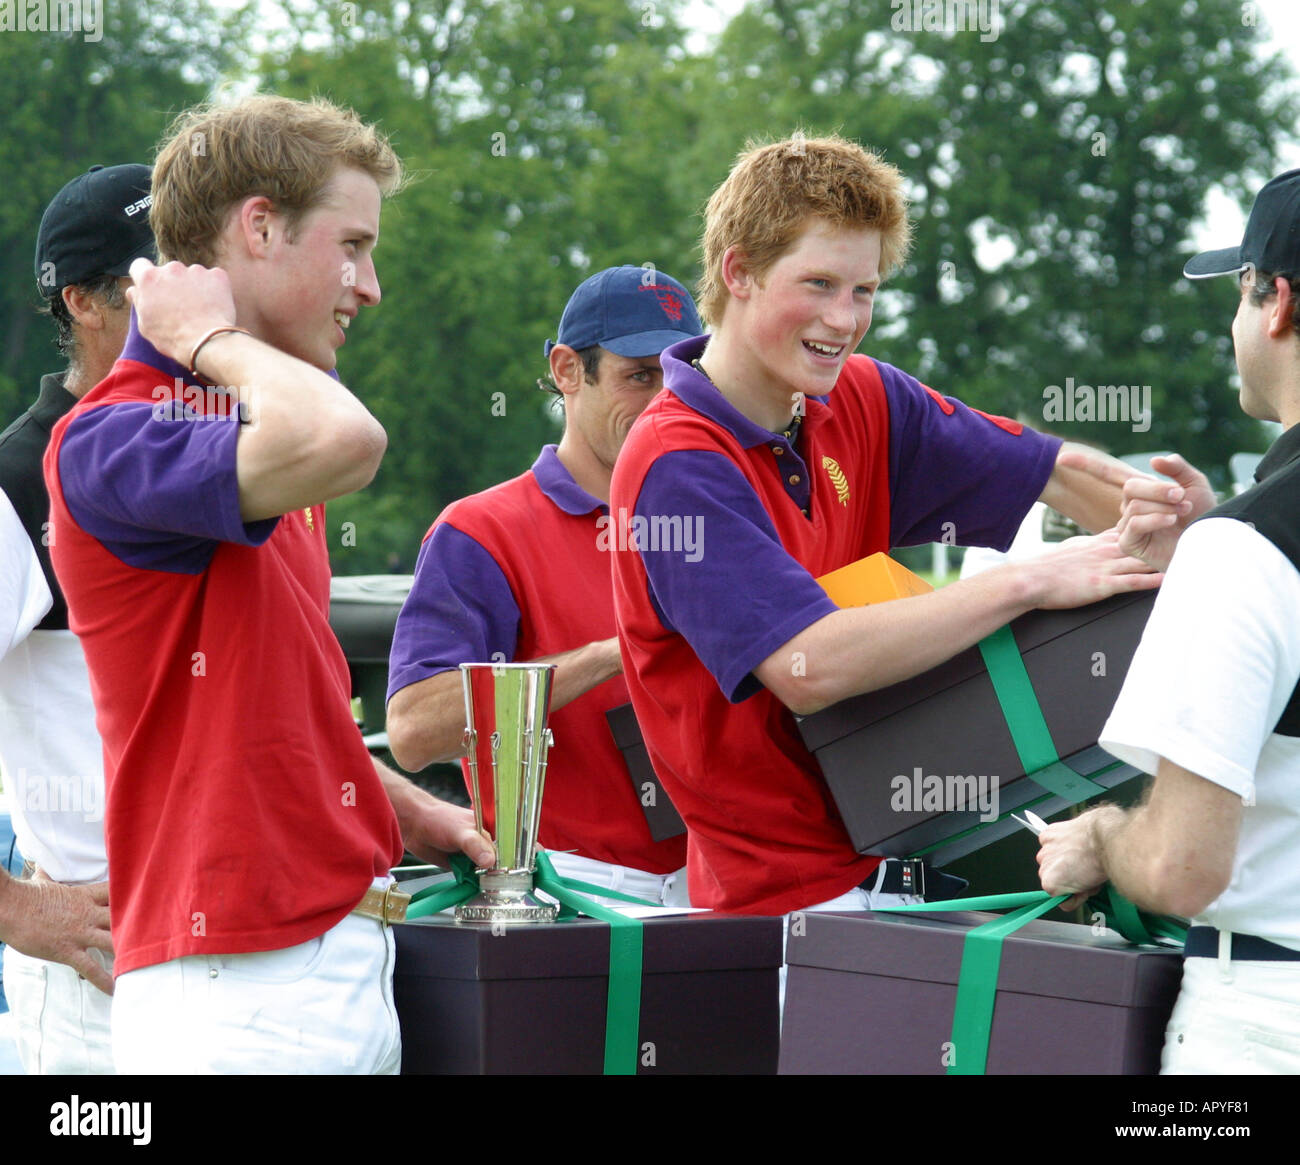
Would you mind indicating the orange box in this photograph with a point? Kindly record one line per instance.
(874, 579)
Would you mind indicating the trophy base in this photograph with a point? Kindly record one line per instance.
(506, 896)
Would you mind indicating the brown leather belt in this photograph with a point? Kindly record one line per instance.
(384, 906)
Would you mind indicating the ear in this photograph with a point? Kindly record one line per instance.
(255, 225)
(87, 310)
(736, 274)
(1279, 317)
(566, 369)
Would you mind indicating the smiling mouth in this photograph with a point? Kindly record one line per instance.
(830, 351)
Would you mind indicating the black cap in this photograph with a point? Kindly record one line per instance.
(1272, 240)
(98, 224)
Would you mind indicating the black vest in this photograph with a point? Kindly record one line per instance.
(1272, 507)
(22, 480)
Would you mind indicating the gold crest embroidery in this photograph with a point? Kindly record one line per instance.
(311, 522)
(838, 480)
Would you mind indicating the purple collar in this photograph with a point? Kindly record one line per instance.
(139, 349)
(557, 483)
(695, 389)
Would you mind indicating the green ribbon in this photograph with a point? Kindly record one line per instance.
(981, 956)
(623, 1001)
(1026, 723)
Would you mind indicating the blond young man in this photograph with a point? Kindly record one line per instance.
(798, 457)
(249, 833)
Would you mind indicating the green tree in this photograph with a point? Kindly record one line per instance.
(72, 102)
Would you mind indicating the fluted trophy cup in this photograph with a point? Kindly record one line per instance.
(506, 740)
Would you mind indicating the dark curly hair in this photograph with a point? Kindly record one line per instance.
(107, 288)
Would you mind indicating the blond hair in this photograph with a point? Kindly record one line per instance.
(215, 156)
(774, 189)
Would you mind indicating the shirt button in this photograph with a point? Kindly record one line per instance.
(794, 479)
(777, 450)
(213, 972)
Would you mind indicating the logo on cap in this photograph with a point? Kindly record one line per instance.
(667, 298)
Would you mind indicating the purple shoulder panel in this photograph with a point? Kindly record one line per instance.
(158, 492)
(460, 610)
(956, 474)
(717, 571)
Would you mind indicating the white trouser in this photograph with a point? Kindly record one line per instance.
(60, 1020)
(322, 1007)
(1235, 1018)
(657, 889)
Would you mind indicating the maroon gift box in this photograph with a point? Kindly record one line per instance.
(947, 722)
(532, 999)
(874, 993)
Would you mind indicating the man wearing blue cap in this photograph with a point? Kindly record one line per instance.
(521, 572)
(56, 920)
(1215, 714)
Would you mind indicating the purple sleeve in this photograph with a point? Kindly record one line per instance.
(732, 590)
(956, 474)
(460, 610)
(158, 492)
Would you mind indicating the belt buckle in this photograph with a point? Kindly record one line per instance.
(393, 907)
(912, 874)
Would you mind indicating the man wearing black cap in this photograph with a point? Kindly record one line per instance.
(1215, 714)
(521, 572)
(56, 921)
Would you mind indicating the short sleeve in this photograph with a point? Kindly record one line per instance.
(24, 594)
(158, 491)
(1218, 661)
(460, 610)
(957, 474)
(726, 583)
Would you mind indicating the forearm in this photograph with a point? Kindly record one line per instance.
(860, 649)
(1093, 501)
(307, 438)
(426, 720)
(580, 670)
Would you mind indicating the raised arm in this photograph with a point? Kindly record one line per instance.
(307, 439)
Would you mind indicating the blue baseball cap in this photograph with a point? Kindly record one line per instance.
(631, 311)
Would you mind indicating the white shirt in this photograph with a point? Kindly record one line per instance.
(1217, 664)
(50, 754)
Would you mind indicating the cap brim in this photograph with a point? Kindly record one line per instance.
(1210, 263)
(646, 343)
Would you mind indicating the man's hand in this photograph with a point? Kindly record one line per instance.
(175, 305)
(434, 829)
(1069, 856)
(1156, 513)
(48, 920)
(1085, 570)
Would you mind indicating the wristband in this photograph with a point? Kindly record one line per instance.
(208, 335)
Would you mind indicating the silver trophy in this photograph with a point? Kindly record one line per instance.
(506, 706)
